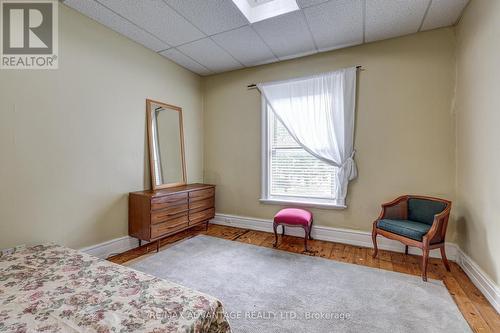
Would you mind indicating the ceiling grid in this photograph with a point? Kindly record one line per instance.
(213, 36)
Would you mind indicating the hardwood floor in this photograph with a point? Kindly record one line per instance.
(475, 308)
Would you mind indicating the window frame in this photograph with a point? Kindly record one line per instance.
(266, 197)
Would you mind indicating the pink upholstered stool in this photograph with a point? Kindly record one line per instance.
(293, 217)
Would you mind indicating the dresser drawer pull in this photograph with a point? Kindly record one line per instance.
(201, 194)
(204, 215)
(165, 205)
(157, 218)
(171, 210)
(164, 228)
(170, 198)
(202, 204)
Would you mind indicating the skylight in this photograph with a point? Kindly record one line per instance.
(258, 10)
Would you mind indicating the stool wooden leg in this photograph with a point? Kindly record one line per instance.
(310, 228)
(306, 234)
(275, 228)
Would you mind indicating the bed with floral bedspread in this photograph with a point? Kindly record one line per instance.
(50, 288)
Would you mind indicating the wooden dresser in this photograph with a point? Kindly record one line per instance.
(153, 215)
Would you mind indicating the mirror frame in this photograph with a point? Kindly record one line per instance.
(149, 102)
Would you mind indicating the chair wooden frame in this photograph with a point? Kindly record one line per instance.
(433, 239)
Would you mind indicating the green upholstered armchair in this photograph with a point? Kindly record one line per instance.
(415, 221)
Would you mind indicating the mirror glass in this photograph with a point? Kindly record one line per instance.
(166, 145)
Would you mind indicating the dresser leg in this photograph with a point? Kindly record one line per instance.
(140, 242)
(206, 226)
(158, 246)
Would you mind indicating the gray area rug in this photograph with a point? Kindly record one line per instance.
(266, 290)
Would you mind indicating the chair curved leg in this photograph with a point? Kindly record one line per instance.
(445, 260)
(275, 228)
(425, 259)
(374, 239)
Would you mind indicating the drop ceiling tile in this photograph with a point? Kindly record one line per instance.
(309, 3)
(210, 55)
(443, 13)
(108, 18)
(245, 45)
(269, 61)
(158, 18)
(212, 16)
(392, 18)
(336, 24)
(186, 62)
(287, 35)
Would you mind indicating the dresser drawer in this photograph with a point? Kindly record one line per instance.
(201, 194)
(154, 214)
(158, 230)
(168, 200)
(204, 215)
(169, 213)
(196, 206)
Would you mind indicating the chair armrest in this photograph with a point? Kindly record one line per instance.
(396, 209)
(437, 232)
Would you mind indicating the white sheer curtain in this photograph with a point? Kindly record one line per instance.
(318, 111)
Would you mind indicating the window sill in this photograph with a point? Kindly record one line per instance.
(302, 203)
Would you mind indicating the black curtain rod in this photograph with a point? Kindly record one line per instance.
(253, 85)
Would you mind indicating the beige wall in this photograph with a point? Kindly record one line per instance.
(478, 134)
(73, 140)
(404, 128)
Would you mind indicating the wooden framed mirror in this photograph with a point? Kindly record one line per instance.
(166, 145)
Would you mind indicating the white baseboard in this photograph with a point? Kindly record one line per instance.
(346, 236)
(114, 246)
(338, 235)
(480, 279)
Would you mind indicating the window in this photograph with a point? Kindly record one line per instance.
(308, 139)
(292, 175)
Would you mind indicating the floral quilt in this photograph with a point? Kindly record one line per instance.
(50, 288)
